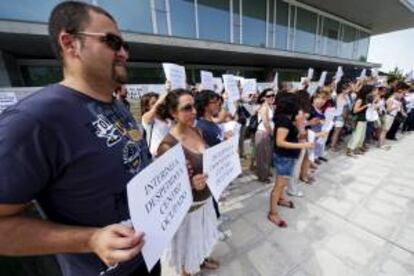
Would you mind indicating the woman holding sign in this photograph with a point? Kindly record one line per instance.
(286, 152)
(195, 238)
(263, 135)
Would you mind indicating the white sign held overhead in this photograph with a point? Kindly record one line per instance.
(218, 85)
(222, 165)
(322, 79)
(339, 74)
(159, 197)
(310, 74)
(7, 99)
(311, 139)
(175, 74)
(249, 86)
(363, 74)
(207, 80)
(230, 84)
(275, 82)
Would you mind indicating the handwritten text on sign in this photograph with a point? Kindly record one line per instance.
(175, 74)
(159, 197)
(222, 165)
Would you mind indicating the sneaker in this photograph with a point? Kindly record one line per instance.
(297, 194)
(385, 147)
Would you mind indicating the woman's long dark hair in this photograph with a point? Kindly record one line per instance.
(262, 95)
(145, 101)
(287, 106)
(203, 99)
(171, 103)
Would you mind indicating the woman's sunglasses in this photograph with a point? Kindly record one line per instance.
(113, 41)
(187, 108)
(270, 96)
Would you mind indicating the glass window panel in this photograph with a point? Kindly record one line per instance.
(160, 5)
(363, 44)
(348, 40)
(41, 75)
(182, 18)
(131, 15)
(270, 24)
(330, 37)
(236, 21)
(254, 22)
(305, 35)
(39, 11)
(282, 10)
(214, 20)
(162, 22)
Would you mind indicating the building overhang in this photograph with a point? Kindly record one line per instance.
(28, 40)
(379, 16)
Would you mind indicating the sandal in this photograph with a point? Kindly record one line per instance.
(306, 180)
(286, 203)
(209, 264)
(278, 222)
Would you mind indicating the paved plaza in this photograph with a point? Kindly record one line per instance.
(357, 219)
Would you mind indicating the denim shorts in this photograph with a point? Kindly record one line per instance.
(284, 165)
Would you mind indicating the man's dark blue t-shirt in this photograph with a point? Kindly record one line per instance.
(74, 155)
(212, 133)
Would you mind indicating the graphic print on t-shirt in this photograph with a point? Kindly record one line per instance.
(115, 125)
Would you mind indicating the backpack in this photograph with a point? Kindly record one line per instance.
(253, 125)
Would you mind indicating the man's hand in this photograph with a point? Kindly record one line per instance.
(116, 243)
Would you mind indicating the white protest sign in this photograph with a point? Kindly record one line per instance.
(218, 85)
(231, 107)
(276, 82)
(322, 79)
(310, 74)
(233, 127)
(7, 99)
(175, 74)
(311, 139)
(249, 86)
(159, 197)
(363, 74)
(327, 127)
(222, 165)
(135, 91)
(207, 80)
(374, 73)
(264, 85)
(330, 113)
(339, 74)
(230, 84)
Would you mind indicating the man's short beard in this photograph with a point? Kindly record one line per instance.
(118, 78)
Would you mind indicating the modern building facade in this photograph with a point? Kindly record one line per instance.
(247, 37)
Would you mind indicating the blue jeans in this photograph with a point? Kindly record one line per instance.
(284, 165)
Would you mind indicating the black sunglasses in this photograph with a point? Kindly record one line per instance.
(113, 41)
(187, 108)
(269, 96)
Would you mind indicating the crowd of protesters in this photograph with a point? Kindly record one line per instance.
(79, 181)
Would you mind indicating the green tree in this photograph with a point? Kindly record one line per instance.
(396, 73)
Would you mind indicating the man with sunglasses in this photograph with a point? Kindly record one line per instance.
(72, 148)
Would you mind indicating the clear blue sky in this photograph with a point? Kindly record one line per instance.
(393, 49)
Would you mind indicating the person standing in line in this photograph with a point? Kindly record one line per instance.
(286, 152)
(263, 137)
(77, 148)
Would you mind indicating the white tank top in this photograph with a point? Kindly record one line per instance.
(155, 133)
(261, 126)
